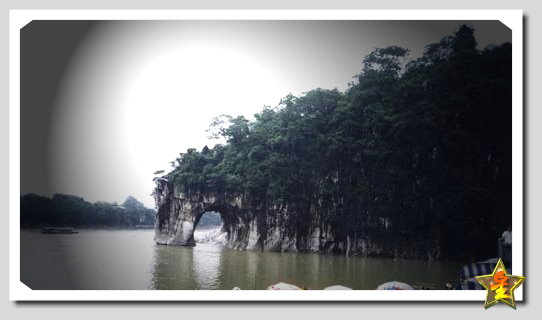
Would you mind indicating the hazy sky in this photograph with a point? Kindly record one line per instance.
(105, 104)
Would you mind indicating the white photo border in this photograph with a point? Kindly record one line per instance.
(18, 291)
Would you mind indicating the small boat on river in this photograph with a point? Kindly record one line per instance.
(51, 230)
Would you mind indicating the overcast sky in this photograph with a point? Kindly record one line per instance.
(105, 104)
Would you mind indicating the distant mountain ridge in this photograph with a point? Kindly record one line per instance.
(74, 211)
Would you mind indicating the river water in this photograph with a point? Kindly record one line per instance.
(129, 259)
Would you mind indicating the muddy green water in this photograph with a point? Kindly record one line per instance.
(129, 259)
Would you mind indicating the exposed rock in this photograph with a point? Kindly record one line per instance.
(246, 227)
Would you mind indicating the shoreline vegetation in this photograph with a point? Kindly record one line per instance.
(64, 210)
(413, 159)
(84, 228)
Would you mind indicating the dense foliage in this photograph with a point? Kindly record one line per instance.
(414, 154)
(73, 211)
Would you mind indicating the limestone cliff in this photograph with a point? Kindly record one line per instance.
(179, 212)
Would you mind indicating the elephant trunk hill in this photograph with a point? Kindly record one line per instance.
(413, 160)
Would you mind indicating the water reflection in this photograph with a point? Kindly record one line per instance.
(130, 260)
(172, 268)
(206, 268)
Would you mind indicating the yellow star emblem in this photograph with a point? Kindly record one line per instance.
(500, 286)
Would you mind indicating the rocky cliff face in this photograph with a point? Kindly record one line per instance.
(179, 212)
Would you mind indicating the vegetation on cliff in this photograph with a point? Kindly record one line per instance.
(414, 154)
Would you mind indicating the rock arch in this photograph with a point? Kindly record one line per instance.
(178, 229)
(179, 211)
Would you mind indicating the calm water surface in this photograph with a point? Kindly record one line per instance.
(129, 259)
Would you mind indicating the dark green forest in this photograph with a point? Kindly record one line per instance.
(415, 153)
(72, 211)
